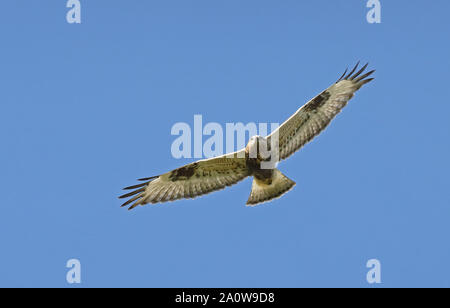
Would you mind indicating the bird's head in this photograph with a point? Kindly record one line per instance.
(253, 147)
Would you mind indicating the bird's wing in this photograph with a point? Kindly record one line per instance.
(190, 181)
(315, 115)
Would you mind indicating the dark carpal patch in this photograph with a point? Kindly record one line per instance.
(254, 168)
(264, 175)
(252, 164)
(317, 102)
(183, 173)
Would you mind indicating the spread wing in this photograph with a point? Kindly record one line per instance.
(315, 115)
(190, 181)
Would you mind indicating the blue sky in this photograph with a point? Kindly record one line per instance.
(87, 108)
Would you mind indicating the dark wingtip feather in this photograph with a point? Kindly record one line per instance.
(134, 205)
(140, 191)
(363, 76)
(340, 78)
(132, 193)
(352, 76)
(147, 179)
(132, 199)
(352, 71)
(360, 71)
(366, 81)
(135, 186)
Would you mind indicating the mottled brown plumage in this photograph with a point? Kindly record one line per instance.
(213, 174)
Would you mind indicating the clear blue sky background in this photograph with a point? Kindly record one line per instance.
(86, 109)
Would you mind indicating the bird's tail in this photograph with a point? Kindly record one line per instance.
(263, 191)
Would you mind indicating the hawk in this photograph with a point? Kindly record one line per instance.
(208, 175)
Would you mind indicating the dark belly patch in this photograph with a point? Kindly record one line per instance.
(264, 176)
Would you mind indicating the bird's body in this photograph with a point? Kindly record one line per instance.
(205, 176)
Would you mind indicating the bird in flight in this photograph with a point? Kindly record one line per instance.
(208, 175)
